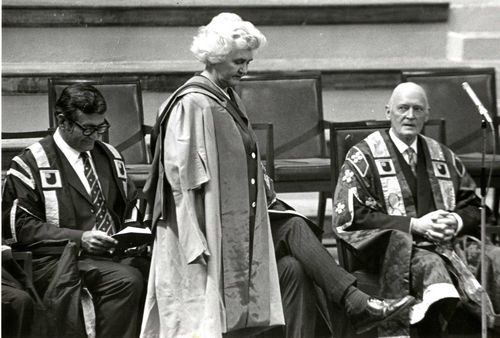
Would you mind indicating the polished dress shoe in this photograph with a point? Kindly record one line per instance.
(378, 311)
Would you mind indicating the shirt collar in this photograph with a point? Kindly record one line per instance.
(71, 154)
(400, 144)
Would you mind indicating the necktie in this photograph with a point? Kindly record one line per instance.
(412, 159)
(104, 222)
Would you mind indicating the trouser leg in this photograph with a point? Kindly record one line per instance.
(17, 312)
(298, 298)
(432, 284)
(292, 236)
(117, 295)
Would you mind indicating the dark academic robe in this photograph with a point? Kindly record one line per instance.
(377, 195)
(45, 205)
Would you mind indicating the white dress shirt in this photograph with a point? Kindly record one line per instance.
(403, 146)
(73, 157)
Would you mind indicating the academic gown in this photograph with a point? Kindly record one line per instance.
(213, 269)
(375, 198)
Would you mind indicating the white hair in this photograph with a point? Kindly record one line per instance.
(225, 32)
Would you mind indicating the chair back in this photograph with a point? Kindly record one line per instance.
(15, 142)
(124, 112)
(448, 100)
(292, 102)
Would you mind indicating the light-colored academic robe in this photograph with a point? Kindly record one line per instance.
(212, 270)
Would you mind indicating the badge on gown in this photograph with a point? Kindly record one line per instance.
(385, 167)
(120, 169)
(51, 178)
(440, 169)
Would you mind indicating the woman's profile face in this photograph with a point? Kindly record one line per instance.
(229, 72)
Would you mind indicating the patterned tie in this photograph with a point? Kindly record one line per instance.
(104, 222)
(412, 159)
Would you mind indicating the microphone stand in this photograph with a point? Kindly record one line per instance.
(483, 183)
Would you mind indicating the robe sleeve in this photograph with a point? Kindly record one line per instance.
(186, 168)
(357, 204)
(23, 211)
(467, 202)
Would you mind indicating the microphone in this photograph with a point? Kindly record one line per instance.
(483, 111)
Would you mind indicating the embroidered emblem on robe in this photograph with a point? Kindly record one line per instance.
(120, 169)
(395, 204)
(440, 169)
(385, 167)
(358, 160)
(51, 178)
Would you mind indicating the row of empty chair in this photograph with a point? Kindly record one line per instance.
(287, 111)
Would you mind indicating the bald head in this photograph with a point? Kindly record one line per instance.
(408, 110)
(405, 88)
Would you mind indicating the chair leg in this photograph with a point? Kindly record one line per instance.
(323, 195)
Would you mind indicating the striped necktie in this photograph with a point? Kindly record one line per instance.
(104, 222)
(412, 159)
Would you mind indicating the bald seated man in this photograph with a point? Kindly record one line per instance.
(402, 201)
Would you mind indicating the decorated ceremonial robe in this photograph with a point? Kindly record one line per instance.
(44, 199)
(213, 269)
(375, 199)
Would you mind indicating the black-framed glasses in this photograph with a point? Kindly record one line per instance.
(89, 130)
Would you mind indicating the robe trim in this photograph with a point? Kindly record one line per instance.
(440, 174)
(24, 166)
(391, 186)
(340, 208)
(12, 225)
(50, 196)
(134, 214)
(26, 180)
(120, 169)
(359, 161)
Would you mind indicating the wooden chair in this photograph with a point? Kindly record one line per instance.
(14, 142)
(292, 103)
(448, 100)
(342, 137)
(124, 112)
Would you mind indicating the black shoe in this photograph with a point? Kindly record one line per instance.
(378, 311)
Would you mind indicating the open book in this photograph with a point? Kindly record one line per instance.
(133, 236)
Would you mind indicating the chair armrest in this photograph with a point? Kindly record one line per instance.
(25, 257)
(268, 127)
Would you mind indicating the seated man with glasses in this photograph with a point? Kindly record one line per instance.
(72, 187)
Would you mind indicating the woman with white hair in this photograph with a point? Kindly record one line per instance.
(213, 269)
